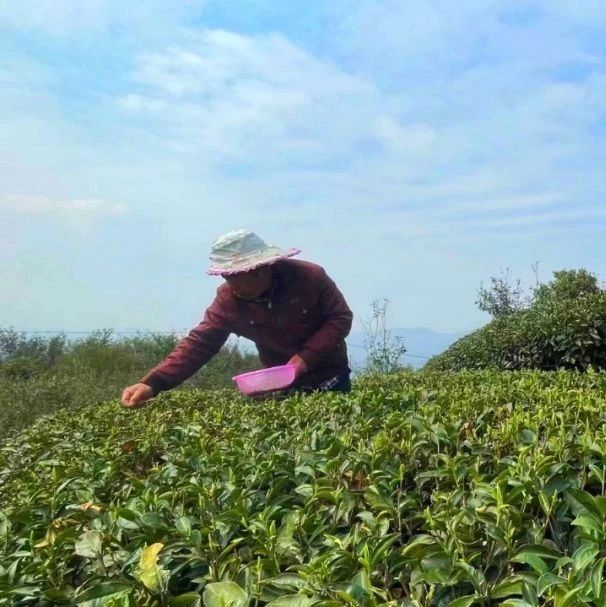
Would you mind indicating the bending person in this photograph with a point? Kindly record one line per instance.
(290, 309)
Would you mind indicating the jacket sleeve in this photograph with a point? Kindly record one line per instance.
(337, 324)
(191, 353)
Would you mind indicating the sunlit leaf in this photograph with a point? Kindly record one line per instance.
(101, 590)
(547, 580)
(225, 594)
(463, 601)
(584, 556)
(597, 579)
(292, 600)
(148, 573)
(191, 599)
(89, 544)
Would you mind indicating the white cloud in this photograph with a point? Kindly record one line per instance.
(79, 213)
(301, 127)
(415, 140)
(236, 95)
(436, 140)
(431, 41)
(588, 12)
(540, 220)
(140, 103)
(81, 17)
(54, 16)
(507, 203)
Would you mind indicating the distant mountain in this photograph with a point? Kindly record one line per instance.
(421, 344)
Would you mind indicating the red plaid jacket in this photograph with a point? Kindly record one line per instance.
(306, 314)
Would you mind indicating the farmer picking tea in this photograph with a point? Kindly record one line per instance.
(290, 309)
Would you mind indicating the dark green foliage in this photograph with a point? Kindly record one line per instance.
(109, 355)
(41, 351)
(563, 328)
(414, 490)
(567, 285)
(40, 375)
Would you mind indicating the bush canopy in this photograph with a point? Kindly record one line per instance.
(563, 327)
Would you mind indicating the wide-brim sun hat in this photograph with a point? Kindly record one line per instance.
(241, 251)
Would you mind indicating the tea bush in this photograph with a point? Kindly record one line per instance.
(472, 488)
(561, 325)
(554, 333)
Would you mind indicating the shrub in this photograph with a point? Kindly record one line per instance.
(563, 328)
(40, 375)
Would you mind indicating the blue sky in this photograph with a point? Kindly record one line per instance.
(413, 149)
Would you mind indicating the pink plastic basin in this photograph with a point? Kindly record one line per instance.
(265, 380)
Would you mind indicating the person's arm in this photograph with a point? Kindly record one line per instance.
(337, 324)
(191, 353)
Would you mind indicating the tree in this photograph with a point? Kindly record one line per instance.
(502, 297)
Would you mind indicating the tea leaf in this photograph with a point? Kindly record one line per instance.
(148, 573)
(463, 601)
(225, 594)
(103, 589)
(89, 544)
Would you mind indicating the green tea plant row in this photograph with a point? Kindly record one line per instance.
(475, 488)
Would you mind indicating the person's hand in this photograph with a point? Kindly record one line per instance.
(300, 364)
(136, 395)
